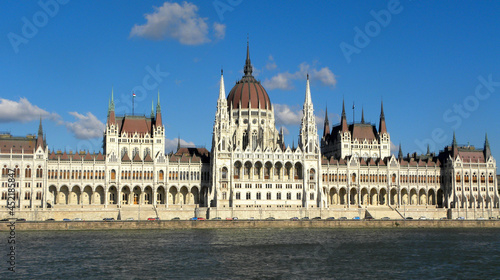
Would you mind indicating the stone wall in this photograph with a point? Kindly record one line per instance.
(114, 225)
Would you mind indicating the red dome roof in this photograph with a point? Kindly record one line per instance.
(248, 91)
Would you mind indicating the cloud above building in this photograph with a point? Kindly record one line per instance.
(180, 22)
(171, 144)
(86, 126)
(22, 111)
(284, 80)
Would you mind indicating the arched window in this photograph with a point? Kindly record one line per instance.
(160, 175)
(288, 195)
(254, 140)
(238, 195)
(258, 196)
(245, 139)
(354, 177)
(312, 174)
(224, 173)
(268, 196)
(27, 172)
(135, 152)
(311, 196)
(278, 196)
(299, 196)
(146, 152)
(249, 196)
(124, 151)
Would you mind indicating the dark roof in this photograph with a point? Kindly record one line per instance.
(17, 144)
(192, 154)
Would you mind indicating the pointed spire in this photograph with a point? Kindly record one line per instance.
(39, 139)
(326, 126)
(158, 107)
(111, 109)
(248, 65)
(362, 115)
(400, 153)
(152, 109)
(222, 90)
(487, 150)
(178, 142)
(428, 149)
(454, 143)
(308, 91)
(158, 121)
(343, 119)
(40, 129)
(382, 126)
(112, 104)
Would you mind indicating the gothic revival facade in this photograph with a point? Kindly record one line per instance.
(249, 167)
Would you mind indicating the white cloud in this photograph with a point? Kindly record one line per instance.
(286, 115)
(85, 126)
(394, 149)
(280, 81)
(172, 20)
(284, 80)
(22, 111)
(219, 30)
(171, 144)
(271, 65)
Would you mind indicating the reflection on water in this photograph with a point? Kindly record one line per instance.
(259, 253)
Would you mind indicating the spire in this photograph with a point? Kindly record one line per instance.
(454, 143)
(112, 104)
(382, 127)
(400, 153)
(343, 119)
(40, 129)
(152, 109)
(487, 151)
(362, 115)
(222, 90)
(248, 65)
(326, 126)
(308, 91)
(111, 109)
(428, 149)
(178, 142)
(158, 120)
(39, 139)
(158, 107)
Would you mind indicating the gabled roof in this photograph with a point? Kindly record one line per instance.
(125, 157)
(148, 158)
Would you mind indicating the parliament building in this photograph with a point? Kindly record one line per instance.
(249, 171)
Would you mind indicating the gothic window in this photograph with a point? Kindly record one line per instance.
(311, 196)
(245, 139)
(278, 196)
(312, 174)
(238, 195)
(254, 140)
(224, 173)
(288, 195)
(268, 195)
(258, 196)
(299, 196)
(27, 172)
(224, 195)
(146, 152)
(249, 196)
(124, 151)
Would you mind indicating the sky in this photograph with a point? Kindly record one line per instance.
(435, 66)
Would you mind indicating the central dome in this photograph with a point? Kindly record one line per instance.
(248, 91)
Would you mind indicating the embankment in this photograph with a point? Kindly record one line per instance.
(210, 224)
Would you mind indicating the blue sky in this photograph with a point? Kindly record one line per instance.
(434, 64)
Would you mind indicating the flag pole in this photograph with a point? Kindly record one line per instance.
(133, 104)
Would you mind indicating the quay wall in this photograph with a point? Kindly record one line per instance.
(247, 224)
